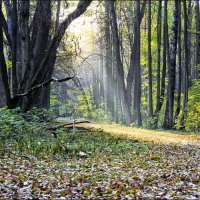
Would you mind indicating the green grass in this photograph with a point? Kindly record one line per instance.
(68, 144)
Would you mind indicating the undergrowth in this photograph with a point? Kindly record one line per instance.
(27, 134)
(69, 144)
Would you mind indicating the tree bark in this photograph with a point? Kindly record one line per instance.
(24, 34)
(189, 14)
(130, 76)
(101, 74)
(159, 25)
(166, 56)
(178, 107)
(57, 14)
(119, 68)
(8, 8)
(197, 23)
(150, 61)
(108, 61)
(15, 82)
(4, 74)
(95, 87)
(137, 88)
(169, 120)
(186, 71)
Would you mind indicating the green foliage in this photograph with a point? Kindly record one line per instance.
(10, 122)
(101, 116)
(150, 122)
(37, 115)
(53, 100)
(19, 129)
(84, 107)
(27, 134)
(192, 119)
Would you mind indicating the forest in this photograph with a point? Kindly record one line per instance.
(99, 99)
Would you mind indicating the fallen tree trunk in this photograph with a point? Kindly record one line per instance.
(67, 124)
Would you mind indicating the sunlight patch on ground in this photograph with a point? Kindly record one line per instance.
(149, 135)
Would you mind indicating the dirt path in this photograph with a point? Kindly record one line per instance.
(150, 135)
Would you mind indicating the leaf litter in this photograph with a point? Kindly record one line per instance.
(157, 171)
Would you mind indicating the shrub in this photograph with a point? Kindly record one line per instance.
(84, 107)
(18, 129)
(192, 118)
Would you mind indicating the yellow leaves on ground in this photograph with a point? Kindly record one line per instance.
(150, 135)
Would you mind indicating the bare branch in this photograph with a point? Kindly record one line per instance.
(43, 85)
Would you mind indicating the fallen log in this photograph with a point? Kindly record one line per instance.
(67, 124)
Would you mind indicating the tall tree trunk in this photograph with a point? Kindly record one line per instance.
(9, 17)
(166, 55)
(56, 93)
(169, 120)
(2, 93)
(197, 22)
(120, 71)
(9, 34)
(137, 88)
(178, 107)
(4, 74)
(101, 74)
(56, 85)
(189, 14)
(95, 87)
(186, 71)
(14, 49)
(38, 47)
(150, 61)
(118, 103)
(159, 24)
(165, 59)
(24, 34)
(108, 61)
(57, 14)
(130, 76)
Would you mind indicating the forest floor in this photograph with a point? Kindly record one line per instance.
(114, 162)
(145, 135)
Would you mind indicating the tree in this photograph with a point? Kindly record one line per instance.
(130, 76)
(119, 68)
(197, 23)
(108, 61)
(137, 88)
(178, 107)
(4, 74)
(186, 69)
(159, 27)
(37, 52)
(169, 120)
(150, 61)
